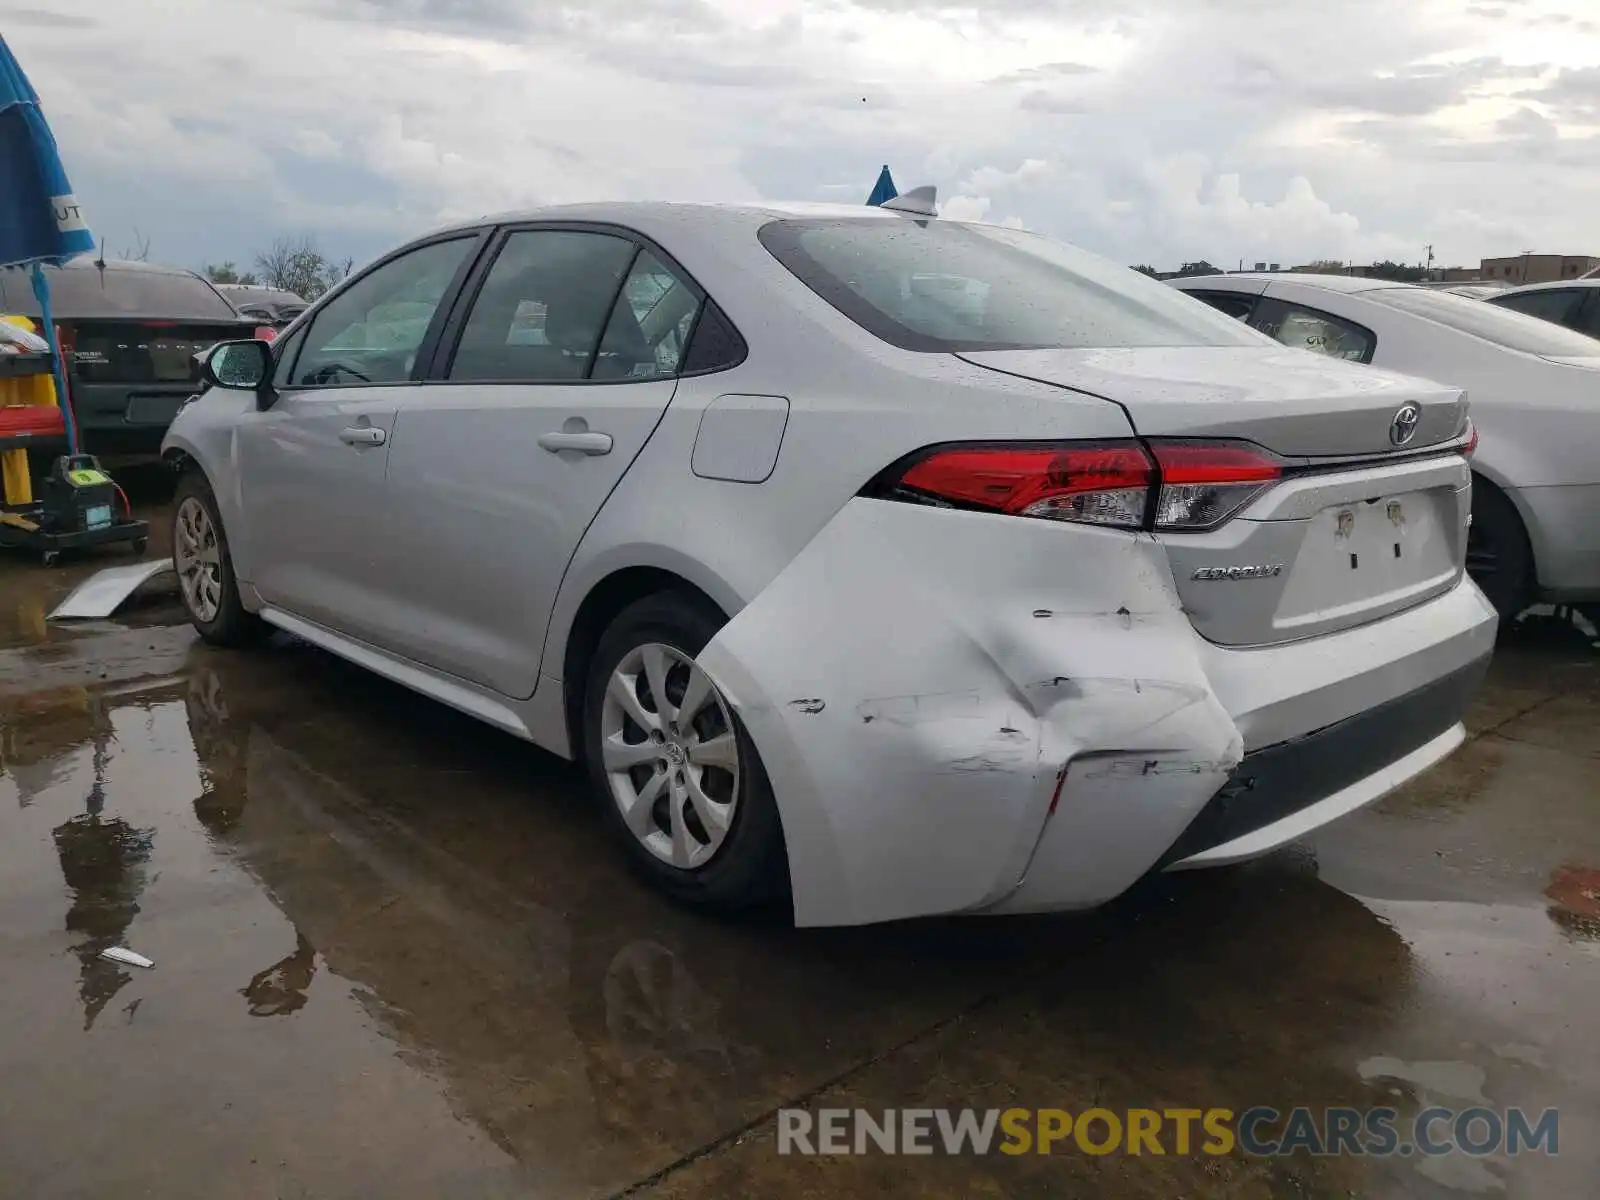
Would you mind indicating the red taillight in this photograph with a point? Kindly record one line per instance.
(1205, 483)
(1471, 447)
(1102, 483)
(1186, 485)
(266, 333)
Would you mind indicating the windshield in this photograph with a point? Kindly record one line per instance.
(1493, 323)
(941, 286)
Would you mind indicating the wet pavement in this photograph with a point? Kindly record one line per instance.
(395, 957)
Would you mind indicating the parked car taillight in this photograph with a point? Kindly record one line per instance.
(1175, 485)
(266, 333)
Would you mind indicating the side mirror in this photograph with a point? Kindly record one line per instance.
(245, 366)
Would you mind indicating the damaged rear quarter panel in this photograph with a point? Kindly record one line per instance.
(917, 678)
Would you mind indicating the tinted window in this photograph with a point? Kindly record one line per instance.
(371, 331)
(649, 324)
(80, 292)
(1489, 321)
(1588, 318)
(539, 316)
(1551, 305)
(715, 344)
(943, 286)
(1237, 305)
(1314, 330)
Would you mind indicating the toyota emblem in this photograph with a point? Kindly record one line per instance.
(1404, 426)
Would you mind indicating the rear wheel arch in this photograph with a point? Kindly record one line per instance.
(1503, 520)
(605, 601)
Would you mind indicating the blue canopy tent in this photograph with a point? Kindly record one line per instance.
(40, 222)
(884, 189)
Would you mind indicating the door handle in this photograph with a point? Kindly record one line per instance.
(363, 435)
(583, 443)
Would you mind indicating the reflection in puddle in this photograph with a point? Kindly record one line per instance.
(1575, 892)
(102, 861)
(281, 988)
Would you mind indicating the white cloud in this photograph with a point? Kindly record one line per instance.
(1151, 130)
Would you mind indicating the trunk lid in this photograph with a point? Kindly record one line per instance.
(1368, 530)
(1299, 404)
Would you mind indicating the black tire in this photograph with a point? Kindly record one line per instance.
(232, 625)
(1499, 558)
(751, 866)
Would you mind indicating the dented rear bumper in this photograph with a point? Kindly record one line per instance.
(961, 712)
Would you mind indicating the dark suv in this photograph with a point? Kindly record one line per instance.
(129, 334)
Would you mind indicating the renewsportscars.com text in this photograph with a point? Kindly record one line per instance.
(1260, 1131)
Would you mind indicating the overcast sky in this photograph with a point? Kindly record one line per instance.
(1148, 130)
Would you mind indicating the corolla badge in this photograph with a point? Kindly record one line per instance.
(1261, 571)
(1404, 426)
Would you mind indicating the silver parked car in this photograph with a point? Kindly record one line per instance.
(907, 565)
(1536, 502)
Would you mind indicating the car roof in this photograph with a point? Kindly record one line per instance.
(1551, 286)
(1329, 283)
(683, 213)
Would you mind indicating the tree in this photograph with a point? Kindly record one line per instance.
(1399, 272)
(1196, 268)
(228, 273)
(1146, 269)
(139, 251)
(297, 265)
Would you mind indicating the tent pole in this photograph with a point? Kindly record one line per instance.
(41, 290)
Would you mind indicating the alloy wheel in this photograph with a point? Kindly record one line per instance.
(198, 559)
(670, 754)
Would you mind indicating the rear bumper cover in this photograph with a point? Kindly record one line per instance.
(967, 713)
(1276, 783)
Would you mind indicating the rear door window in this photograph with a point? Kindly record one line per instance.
(542, 308)
(1553, 304)
(1305, 328)
(650, 323)
(1587, 319)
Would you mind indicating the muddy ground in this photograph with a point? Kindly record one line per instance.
(396, 958)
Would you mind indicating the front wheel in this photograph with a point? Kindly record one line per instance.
(677, 776)
(205, 568)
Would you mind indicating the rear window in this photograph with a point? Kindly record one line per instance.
(944, 286)
(87, 293)
(1493, 323)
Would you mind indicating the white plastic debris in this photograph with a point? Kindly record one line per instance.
(100, 595)
(121, 954)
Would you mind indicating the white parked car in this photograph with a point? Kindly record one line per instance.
(1575, 303)
(1533, 388)
(911, 565)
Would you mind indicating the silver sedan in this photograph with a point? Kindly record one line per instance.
(891, 565)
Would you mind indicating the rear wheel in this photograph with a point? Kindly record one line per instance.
(205, 569)
(675, 772)
(1499, 558)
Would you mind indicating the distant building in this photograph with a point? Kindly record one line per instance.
(1537, 268)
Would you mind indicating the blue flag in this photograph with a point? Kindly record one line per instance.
(39, 219)
(884, 189)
